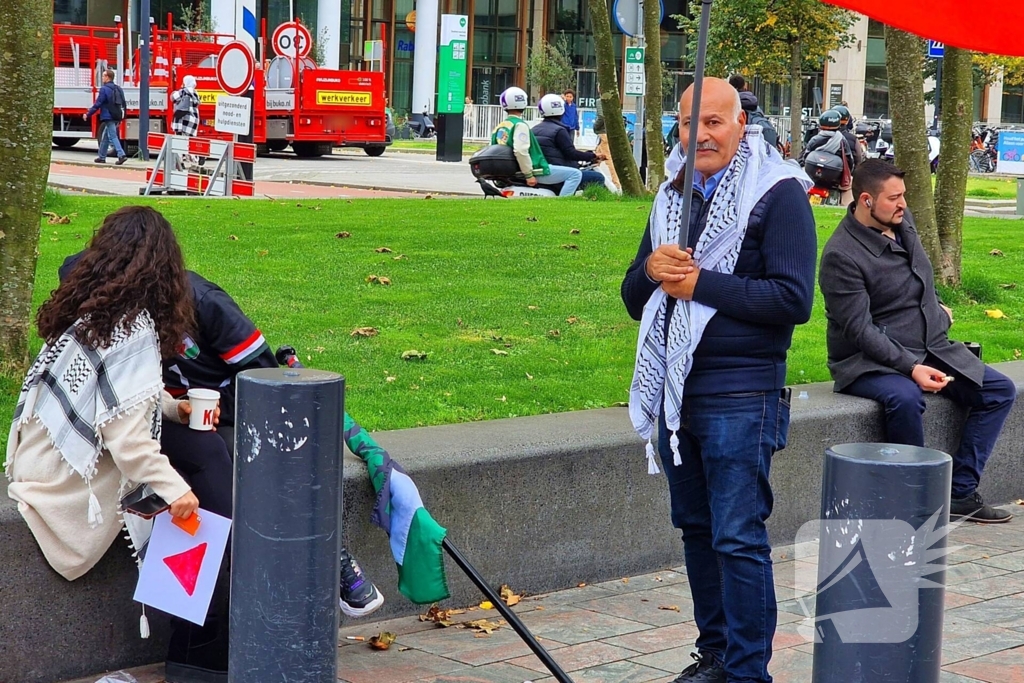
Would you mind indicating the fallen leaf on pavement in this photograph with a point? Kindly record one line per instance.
(669, 608)
(482, 626)
(383, 640)
(509, 597)
(441, 617)
(486, 604)
(364, 332)
(995, 313)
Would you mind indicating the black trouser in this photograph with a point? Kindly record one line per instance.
(202, 460)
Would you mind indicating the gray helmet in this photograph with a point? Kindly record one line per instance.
(830, 120)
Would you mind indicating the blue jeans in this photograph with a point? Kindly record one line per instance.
(108, 136)
(903, 402)
(721, 500)
(571, 178)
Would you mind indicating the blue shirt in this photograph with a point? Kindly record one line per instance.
(708, 187)
(571, 117)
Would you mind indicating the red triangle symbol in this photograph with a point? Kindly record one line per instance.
(185, 567)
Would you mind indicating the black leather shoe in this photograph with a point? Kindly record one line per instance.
(973, 509)
(704, 670)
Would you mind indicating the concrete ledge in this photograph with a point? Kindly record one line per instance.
(541, 503)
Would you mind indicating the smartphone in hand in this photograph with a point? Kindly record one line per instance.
(144, 502)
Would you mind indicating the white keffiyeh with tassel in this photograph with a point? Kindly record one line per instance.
(663, 361)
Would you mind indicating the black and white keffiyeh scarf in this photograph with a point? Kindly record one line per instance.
(74, 391)
(663, 361)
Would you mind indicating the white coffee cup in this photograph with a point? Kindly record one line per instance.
(204, 406)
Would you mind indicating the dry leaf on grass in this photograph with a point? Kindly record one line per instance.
(55, 219)
(233, 238)
(342, 235)
(364, 332)
(509, 597)
(531, 219)
(574, 231)
(995, 313)
(996, 252)
(571, 247)
(413, 354)
(554, 333)
(1016, 354)
(1008, 285)
(529, 376)
(382, 250)
(572, 320)
(383, 640)
(400, 257)
(386, 281)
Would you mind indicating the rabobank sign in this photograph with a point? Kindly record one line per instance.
(404, 46)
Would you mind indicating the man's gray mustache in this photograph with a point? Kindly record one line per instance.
(710, 146)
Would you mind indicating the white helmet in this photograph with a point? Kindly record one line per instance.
(551, 105)
(514, 99)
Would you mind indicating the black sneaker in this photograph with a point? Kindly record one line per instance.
(98, 160)
(120, 160)
(359, 597)
(973, 509)
(704, 670)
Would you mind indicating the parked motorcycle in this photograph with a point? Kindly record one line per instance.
(826, 171)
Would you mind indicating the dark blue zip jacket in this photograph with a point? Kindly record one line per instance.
(770, 291)
(104, 101)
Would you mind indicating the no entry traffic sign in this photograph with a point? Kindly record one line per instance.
(291, 37)
(235, 68)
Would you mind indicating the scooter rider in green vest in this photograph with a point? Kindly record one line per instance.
(515, 133)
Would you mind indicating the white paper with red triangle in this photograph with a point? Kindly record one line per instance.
(180, 570)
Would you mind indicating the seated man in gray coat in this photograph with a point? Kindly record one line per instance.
(888, 333)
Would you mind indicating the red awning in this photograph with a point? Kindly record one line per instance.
(994, 26)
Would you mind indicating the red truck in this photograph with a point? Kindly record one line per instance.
(334, 108)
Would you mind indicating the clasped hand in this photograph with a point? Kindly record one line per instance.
(675, 269)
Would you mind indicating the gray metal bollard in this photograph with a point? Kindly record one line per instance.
(287, 526)
(879, 618)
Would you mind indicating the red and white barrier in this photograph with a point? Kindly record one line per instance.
(170, 173)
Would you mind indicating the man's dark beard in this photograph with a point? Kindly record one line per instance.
(887, 223)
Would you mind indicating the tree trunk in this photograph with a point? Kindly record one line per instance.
(903, 61)
(611, 105)
(951, 180)
(26, 117)
(652, 72)
(796, 100)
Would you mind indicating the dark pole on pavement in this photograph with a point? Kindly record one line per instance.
(938, 93)
(876, 616)
(698, 88)
(511, 617)
(286, 535)
(145, 34)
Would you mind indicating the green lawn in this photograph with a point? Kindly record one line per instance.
(431, 146)
(516, 315)
(991, 188)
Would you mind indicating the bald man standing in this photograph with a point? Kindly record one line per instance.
(717, 310)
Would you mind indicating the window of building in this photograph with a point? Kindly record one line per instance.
(876, 77)
(69, 11)
(496, 40)
(1013, 104)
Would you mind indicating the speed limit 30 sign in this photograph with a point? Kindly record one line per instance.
(292, 37)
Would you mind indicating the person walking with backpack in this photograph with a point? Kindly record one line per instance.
(110, 104)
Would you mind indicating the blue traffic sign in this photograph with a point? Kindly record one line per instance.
(936, 50)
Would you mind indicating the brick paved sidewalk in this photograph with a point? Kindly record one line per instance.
(629, 630)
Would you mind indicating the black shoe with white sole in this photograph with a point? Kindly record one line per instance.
(704, 670)
(359, 597)
(973, 509)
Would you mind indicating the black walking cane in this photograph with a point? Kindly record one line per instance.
(286, 355)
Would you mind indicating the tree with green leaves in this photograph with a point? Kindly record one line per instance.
(26, 120)
(549, 67)
(652, 111)
(904, 63)
(776, 40)
(611, 104)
